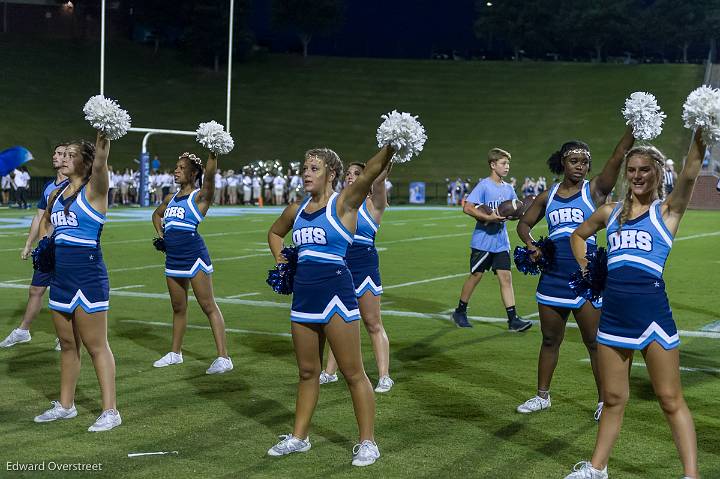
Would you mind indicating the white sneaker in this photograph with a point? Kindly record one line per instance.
(289, 444)
(168, 360)
(17, 336)
(585, 470)
(384, 385)
(598, 411)
(56, 412)
(57, 344)
(534, 404)
(365, 453)
(220, 365)
(326, 378)
(107, 420)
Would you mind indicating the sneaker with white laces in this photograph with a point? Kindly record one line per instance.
(168, 360)
(598, 411)
(534, 404)
(326, 378)
(384, 384)
(585, 470)
(289, 444)
(17, 336)
(109, 419)
(365, 453)
(57, 344)
(56, 412)
(220, 365)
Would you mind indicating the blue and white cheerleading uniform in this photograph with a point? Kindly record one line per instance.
(636, 311)
(563, 216)
(39, 278)
(80, 277)
(362, 257)
(323, 284)
(185, 250)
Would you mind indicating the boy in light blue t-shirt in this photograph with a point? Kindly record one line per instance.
(490, 245)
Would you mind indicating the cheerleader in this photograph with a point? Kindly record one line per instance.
(324, 301)
(79, 289)
(565, 206)
(187, 261)
(362, 260)
(40, 281)
(636, 314)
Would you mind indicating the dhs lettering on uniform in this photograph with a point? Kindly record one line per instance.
(630, 239)
(175, 212)
(59, 218)
(309, 235)
(566, 215)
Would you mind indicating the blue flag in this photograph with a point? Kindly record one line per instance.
(12, 158)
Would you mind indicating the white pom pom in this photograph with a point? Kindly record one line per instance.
(644, 115)
(702, 110)
(404, 133)
(105, 115)
(212, 135)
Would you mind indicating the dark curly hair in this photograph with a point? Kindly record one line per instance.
(555, 162)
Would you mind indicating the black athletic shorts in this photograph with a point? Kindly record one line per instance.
(481, 261)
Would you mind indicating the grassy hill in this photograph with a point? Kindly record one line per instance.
(283, 106)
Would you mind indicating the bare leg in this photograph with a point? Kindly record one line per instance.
(613, 364)
(93, 331)
(588, 319)
(178, 288)
(69, 357)
(34, 304)
(552, 326)
(309, 341)
(370, 312)
(203, 290)
(469, 286)
(506, 288)
(344, 339)
(664, 369)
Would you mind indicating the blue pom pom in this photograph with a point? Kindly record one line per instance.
(526, 265)
(281, 278)
(590, 283)
(159, 244)
(44, 255)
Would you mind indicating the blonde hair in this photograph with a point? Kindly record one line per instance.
(658, 161)
(331, 159)
(496, 154)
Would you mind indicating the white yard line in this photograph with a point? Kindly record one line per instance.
(132, 286)
(429, 280)
(242, 295)
(701, 235)
(422, 238)
(196, 326)
(216, 260)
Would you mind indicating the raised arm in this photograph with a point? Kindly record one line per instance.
(207, 192)
(159, 213)
(99, 184)
(353, 196)
(596, 222)
(677, 202)
(279, 229)
(603, 184)
(532, 217)
(378, 195)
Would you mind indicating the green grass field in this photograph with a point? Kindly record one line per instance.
(450, 414)
(283, 106)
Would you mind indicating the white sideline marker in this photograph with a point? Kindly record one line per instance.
(158, 453)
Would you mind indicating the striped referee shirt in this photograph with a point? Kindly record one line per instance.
(669, 179)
